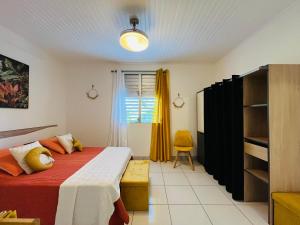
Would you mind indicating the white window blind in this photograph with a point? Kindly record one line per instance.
(140, 96)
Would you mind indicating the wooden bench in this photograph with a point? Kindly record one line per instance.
(135, 185)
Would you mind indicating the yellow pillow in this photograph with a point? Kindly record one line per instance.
(39, 159)
(77, 145)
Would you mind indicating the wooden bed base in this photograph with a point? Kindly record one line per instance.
(13, 221)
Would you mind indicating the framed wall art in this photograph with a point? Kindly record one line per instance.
(14, 83)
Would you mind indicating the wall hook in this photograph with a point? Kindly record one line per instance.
(92, 93)
(178, 102)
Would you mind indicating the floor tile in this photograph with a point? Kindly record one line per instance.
(206, 202)
(257, 213)
(215, 182)
(168, 167)
(194, 214)
(157, 195)
(155, 167)
(181, 195)
(228, 194)
(157, 215)
(130, 213)
(199, 179)
(186, 167)
(211, 195)
(225, 215)
(175, 179)
(156, 179)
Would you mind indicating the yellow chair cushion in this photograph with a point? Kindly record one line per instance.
(290, 201)
(33, 159)
(77, 145)
(183, 138)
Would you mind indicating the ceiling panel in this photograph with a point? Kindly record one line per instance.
(178, 30)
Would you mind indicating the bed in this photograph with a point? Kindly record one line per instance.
(37, 195)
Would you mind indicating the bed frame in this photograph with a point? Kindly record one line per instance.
(13, 133)
(19, 221)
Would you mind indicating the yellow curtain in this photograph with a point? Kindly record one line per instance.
(160, 139)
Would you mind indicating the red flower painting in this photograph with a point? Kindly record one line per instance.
(14, 83)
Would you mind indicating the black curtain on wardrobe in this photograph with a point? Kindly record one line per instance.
(223, 134)
(237, 140)
(214, 133)
(207, 129)
(219, 127)
(227, 132)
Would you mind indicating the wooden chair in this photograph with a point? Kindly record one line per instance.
(183, 143)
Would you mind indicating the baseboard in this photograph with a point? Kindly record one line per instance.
(141, 157)
(172, 158)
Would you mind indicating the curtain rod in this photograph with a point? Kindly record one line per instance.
(264, 68)
(132, 71)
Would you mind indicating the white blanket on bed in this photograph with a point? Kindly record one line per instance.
(88, 196)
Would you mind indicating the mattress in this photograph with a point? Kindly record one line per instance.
(36, 195)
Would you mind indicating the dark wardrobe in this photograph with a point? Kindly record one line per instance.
(223, 134)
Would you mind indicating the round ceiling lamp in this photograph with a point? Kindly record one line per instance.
(133, 39)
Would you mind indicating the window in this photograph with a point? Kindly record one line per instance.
(140, 96)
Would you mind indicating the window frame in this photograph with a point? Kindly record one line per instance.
(140, 93)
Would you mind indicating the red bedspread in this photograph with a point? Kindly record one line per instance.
(36, 195)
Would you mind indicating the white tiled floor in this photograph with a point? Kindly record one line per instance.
(158, 195)
(182, 197)
(175, 179)
(211, 195)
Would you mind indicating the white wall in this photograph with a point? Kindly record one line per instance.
(46, 91)
(277, 42)
(89, 120)
(185, 78)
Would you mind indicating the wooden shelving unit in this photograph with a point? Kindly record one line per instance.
(271, 132)
(256, 151)
(264, 141)
(260, 174)
(256, 105)
(256, 135)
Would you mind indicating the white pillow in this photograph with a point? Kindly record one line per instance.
(67, 142)
(20, 152)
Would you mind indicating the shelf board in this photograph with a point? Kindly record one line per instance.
(256, 151)
(256, 105)
(264, 141)
(260, 174)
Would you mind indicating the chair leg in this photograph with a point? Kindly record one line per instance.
(176, 159)
(191, 161)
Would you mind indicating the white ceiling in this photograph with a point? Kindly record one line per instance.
(179, 30)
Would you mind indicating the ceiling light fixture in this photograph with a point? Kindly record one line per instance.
(133, 39)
